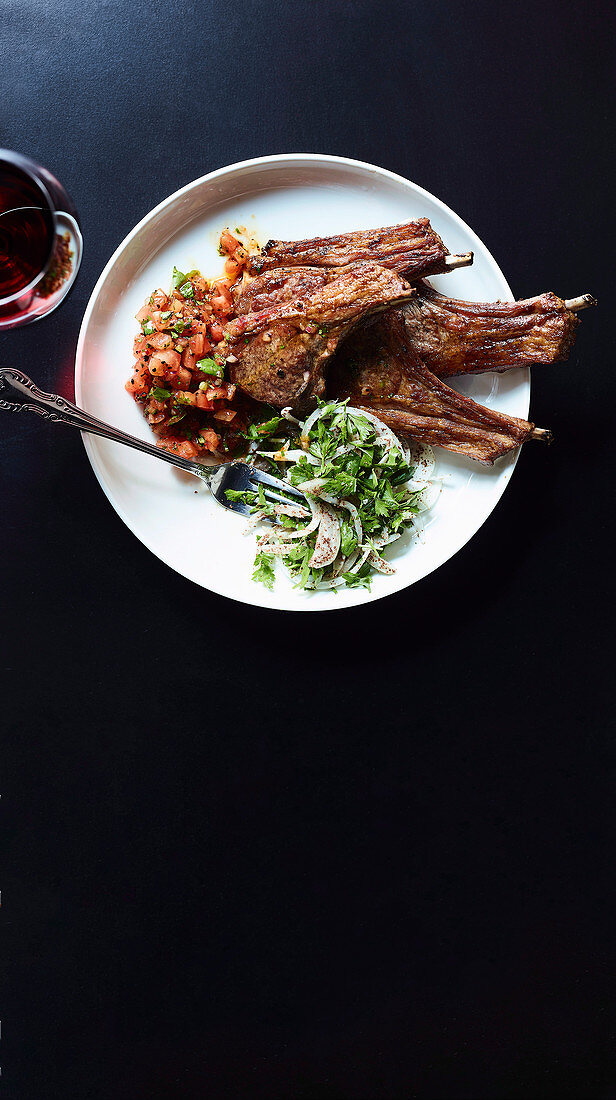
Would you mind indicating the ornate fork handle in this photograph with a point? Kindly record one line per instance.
(53, 407)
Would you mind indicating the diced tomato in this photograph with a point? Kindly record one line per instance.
(144, 313)
(185, 397)
(223, 391)
(139, 344)
(202, 401)
(216, 330)
(223, 286)
(160, 341)
(210, 439)
(232, 268)
(184, 376)
(189, 361)
(160, 300)
(140, 382)
(164, 362)
(214, 393)
(228, 242)
(222, 305)
(197, 345)
(182, 447)
(155, 410)
(226, 415)
(158, 322)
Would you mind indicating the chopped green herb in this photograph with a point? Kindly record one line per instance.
(187, 290)
(348, 537)
(210, 366)
(363, 479)
(361, 579)
(263, 430)
(160, 394)
(304, 576)
(264, 570)
(178, 279)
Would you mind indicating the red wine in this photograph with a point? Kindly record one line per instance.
(26, 230)
(40, 241)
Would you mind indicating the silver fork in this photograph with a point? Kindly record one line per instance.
(223, 476)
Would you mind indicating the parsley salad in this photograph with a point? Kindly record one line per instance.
(364, 488)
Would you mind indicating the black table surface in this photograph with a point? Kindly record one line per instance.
(361, 855)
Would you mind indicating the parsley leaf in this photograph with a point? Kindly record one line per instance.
(210, 366)
(342, 485)
(348, 538)
(263, 430)
(361, 579)
(241, 494)
(264, 571)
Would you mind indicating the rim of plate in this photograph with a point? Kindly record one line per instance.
(288, 160)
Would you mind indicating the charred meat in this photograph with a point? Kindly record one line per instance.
(453, 337)
(279, 352)
(379, 370)
(281, 285)
(413, 249)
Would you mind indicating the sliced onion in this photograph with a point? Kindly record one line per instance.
(429, 495)
(379, 563)
(317, 515)
(291, 456)
(295, 511)
(328, 540)
(275, 549)
(312, 419)
(385, 434)
(422, 458)
(386, 539)
(364, 552)
(312, 487)
(253, 521)
(388, 438)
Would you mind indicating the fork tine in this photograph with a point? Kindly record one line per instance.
(276, 483)
(235, 506)
(274, 497)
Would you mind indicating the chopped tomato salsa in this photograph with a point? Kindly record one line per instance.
(179, 370)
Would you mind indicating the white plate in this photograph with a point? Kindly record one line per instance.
(288, 196)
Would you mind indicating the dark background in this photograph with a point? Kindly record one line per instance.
(366, 855)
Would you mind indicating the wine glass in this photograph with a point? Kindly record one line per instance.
(40, 241)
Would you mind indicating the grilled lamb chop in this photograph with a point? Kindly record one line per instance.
(412, 249)
(281, 285)
(278, 353)
(453, 337)
(380, 371)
